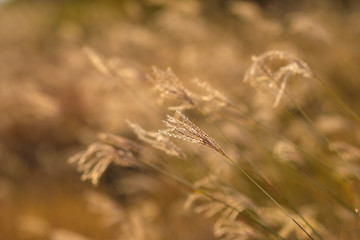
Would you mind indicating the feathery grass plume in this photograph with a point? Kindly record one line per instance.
(226, 203)
(214, 101)
(170, 86)
(184, 129)
(347, 151)
(62, 234)
(225, 229)
(96, 60)
(273, 69)
(31, 102)
(139, 222)
(119, 142)
(228, 199)
(156, 140)
(98, 156)
(275, 218)
(106, 208)
(287, 152)
(350, 173)
(213, 94)
(223, 204)
(112, 67)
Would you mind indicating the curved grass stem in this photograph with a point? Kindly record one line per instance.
(266, 193)
(209, 196)
(338, 100)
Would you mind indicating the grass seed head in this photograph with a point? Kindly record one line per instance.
(156, 140)
(273, 69)
(181, 127)
(98, 156)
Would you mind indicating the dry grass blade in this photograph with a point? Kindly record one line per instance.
(184, 129)
(157, 140)
(98, 156)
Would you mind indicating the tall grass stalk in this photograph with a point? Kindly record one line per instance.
(209, 196)
(184, 129)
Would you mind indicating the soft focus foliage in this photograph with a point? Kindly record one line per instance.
(273, 86)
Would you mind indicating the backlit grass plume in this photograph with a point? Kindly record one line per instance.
(169, 86)
(274, 68)
(181, 127)
(156, 140)
(227, 204)
(98, 156)
(184, 129)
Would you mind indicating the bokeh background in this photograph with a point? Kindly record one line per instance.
(53, 101)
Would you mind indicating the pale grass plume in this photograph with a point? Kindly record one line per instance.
(28, 102)
(225, 229)
(349, 173)
(225, 199)
(332, 124)
(226, 204)
(31, 226)
(93, 162)
(156, 140)
(246, 10)
(181, 127)
(114, 67)
(106, 208)
(169, 86)
(273, 69)
(213, 101)
(346, 150)
(275, 219)
(140, 222)
(212, 94)
(97, 61)
(252, 14)
(119, 142)
(66, 234)
(287, 152)
(184, 129)
(308, 27)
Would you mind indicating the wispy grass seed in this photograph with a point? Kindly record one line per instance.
(273, 68)
(181, 127)
(156, 140)
(93, 162)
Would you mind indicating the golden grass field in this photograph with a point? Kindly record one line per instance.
(155, 119)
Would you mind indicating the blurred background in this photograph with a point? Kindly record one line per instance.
(53, 102)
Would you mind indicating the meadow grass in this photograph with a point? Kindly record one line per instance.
(179, 120)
